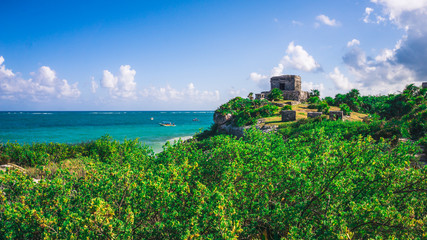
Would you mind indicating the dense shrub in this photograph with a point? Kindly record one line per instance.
(323, 107)
(275, 95)
(246, 112)
(330, 101)
(345, 109)
(312, 186)
(313, 100)
(287, 107)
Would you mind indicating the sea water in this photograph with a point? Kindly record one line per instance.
(77, 127)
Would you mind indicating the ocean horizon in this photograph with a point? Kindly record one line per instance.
(82, 126)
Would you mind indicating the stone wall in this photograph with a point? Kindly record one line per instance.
(286, 82)
(314, 114)
(262, 95)
(424, 85)
(299, 96)
(335, 115)
(288, 115)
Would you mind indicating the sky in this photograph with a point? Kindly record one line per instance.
(196, 55)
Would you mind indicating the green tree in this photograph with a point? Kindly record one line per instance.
(275, 95)
(345, 109)
(314, 93)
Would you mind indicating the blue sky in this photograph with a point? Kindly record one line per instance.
(196, 55)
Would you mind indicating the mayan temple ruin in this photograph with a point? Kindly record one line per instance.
(290, 86)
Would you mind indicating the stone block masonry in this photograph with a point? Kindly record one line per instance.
(286, 82)
(288, 115)
(314, 114)
(335, 115)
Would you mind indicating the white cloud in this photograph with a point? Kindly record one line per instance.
(353, 42)
(256, 77)
(4, 72)
(340, 81)
(396, 8)
(323, 19)
(368, 12)
(297, 23)
(308, 86)
(190, 93)
(410, 54)
(121, 86)
(94, 85)
(379, 74)
(297, 58)
(44, 85)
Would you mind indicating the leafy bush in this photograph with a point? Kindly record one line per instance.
(222, 187)
(323, 107)
(287, 107)
(313, 100)
(330, 101)
(275, 95)
(345, 109)
(245, 111)
(314, 93)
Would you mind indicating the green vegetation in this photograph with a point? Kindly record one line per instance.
(287, 107)
(345, 109)
(275, 95)
(246, 111)
(312, 179)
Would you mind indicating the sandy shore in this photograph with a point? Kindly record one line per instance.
(172, 140)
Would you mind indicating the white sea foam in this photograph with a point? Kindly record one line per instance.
(172, 140)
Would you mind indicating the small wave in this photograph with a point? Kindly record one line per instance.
(106, 113)
(41, 113)
(204, 112)
(172, 140)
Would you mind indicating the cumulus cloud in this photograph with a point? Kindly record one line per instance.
(121, 86)
(256, 77)
(368, 12)
(308, 86)
(353, 42)
(43, 86)
(323, 19)
(396, 9)
(296, 58)
(410, 54)
(341, 82)
(374, 74)
(190, 93)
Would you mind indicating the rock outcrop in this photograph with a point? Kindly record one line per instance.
(225, 125)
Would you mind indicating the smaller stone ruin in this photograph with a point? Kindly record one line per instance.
(314, 114)
(424, 85)
(290, 86)
(335, 115)
(288, 115)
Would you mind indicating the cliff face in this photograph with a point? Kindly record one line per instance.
(226, 126)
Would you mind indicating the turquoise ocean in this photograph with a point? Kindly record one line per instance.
(77, 127)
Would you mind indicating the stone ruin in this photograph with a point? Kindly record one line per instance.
(335, 115)
(290, 86)
(314, 114)
(288, 115)
(424, 85)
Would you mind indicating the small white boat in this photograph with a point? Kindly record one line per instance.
(167, 124)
